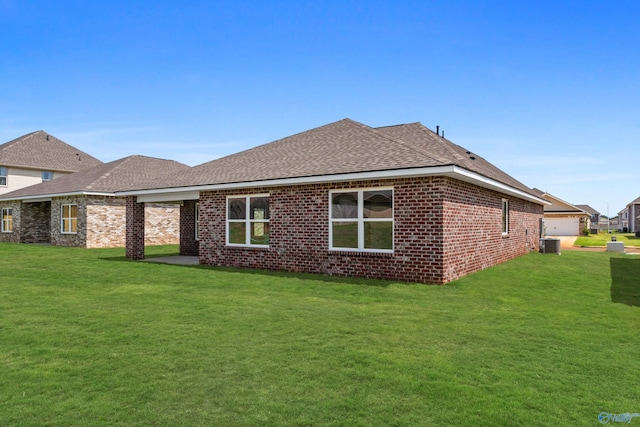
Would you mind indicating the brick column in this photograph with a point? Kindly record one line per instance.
(188, 242)
(135, 229)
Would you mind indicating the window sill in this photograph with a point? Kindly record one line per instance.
(260, 248)
(361, 253)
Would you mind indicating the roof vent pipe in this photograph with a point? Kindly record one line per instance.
(438, 130)
(443, 133)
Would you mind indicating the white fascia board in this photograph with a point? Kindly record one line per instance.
(49, 197)
(482, 181)
(161, 194)
(168, 197)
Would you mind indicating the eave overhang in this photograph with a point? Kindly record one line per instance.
(49, 197)
(452, 171)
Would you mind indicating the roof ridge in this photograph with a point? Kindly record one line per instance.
(117, 165)
(404, 143)
(448, 146)
(18, 139)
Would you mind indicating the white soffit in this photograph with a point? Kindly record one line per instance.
(168, 197)
(174, 194)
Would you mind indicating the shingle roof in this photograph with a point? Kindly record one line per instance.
(118, 175)
(588, 208)
(635, 202)
(39, 150)
(570, 208)
(341, 147)
(448, 153)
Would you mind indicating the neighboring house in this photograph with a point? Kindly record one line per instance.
(38, 157)
(397, 202)
(595, 217)
(623, 223)
(608, 224)
(633, 214)
(562, 218)
(81, 209)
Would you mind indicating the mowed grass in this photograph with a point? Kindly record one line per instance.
(602, 238)
(89, 338)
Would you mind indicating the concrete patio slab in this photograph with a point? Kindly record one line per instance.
(176, 260)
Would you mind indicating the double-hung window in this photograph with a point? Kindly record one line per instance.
(248, 220)
(7, 220)
(69, 223)
(505, 217)
(3, 176)
(47, 176)
(361, 220)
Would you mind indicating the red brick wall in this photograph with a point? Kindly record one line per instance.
(444, 229)
(473, 238)
(135, 229)
(188, 242)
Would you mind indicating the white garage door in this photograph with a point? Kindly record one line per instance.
(562, 226)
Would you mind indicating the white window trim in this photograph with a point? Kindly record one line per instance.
(504, 212)
(2, 222)
(248, 222)
(361, 220)
(62, 218)
(197, 219)
(5, 176)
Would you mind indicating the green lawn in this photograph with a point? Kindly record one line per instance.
(601, 239)
(89, 338)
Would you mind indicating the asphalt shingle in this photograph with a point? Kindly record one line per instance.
(119, 175)
(342, 147)
(39, 150)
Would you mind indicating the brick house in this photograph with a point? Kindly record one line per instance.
(594, 221)
(398, 202)
(632, 215)
(562, 218)
(38, 157)
(82, 209)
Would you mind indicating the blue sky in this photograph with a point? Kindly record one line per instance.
(549, 91)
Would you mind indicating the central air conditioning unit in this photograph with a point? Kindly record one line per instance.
(550, 246)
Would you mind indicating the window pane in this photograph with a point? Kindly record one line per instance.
(259, 207)
(7, 220)
(378, 204)
(74, 211)
(237, 208)
(74, 225)
(378, 235)
(3, 180)
(505, 216)
(237, 233)
(260, 233)
(344, 205)
(345, 234)
(65, 211)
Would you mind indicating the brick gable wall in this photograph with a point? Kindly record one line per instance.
(443, 229)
